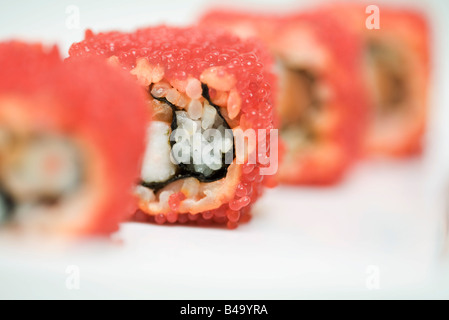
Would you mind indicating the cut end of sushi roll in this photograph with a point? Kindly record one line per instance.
(396, 71)
(60, 171)
(322, 98)
(201, 87)
(187, 137)
(397, 68)
(38, 169)
(51, 182)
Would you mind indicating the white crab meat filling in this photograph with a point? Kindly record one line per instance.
(157, 165)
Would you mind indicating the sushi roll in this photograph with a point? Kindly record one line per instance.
(396, 69)
(68, 154)
(322, 102)
(197, 82)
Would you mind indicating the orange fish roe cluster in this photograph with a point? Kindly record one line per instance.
(85, 101)
(222, 216)
(180, 54)
(187, 52)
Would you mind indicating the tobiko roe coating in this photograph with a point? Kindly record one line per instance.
(397, 68)
(69, 153)
(322, 102)
(196, 80)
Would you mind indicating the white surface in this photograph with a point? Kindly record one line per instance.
(302, 243)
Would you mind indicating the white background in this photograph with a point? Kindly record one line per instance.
(387, 218)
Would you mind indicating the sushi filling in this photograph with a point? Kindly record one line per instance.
(300, 106)
(38, 170)
(188, 138)
(7, 206)
(388, 77)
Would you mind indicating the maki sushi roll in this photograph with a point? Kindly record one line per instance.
(68, 154)
(204, 88)
(396, 69)
(322, 104)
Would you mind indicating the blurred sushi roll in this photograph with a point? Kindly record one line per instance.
(322, 98)
(396, 69)
(202, 87)
(68, 154)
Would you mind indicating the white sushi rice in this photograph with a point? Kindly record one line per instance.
(205, 139)
(208, 117)
(195, 109)
(144, 193)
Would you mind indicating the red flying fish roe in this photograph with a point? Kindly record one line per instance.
(342, 72)
(187, 52)
(175, 199)
(63, 100)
